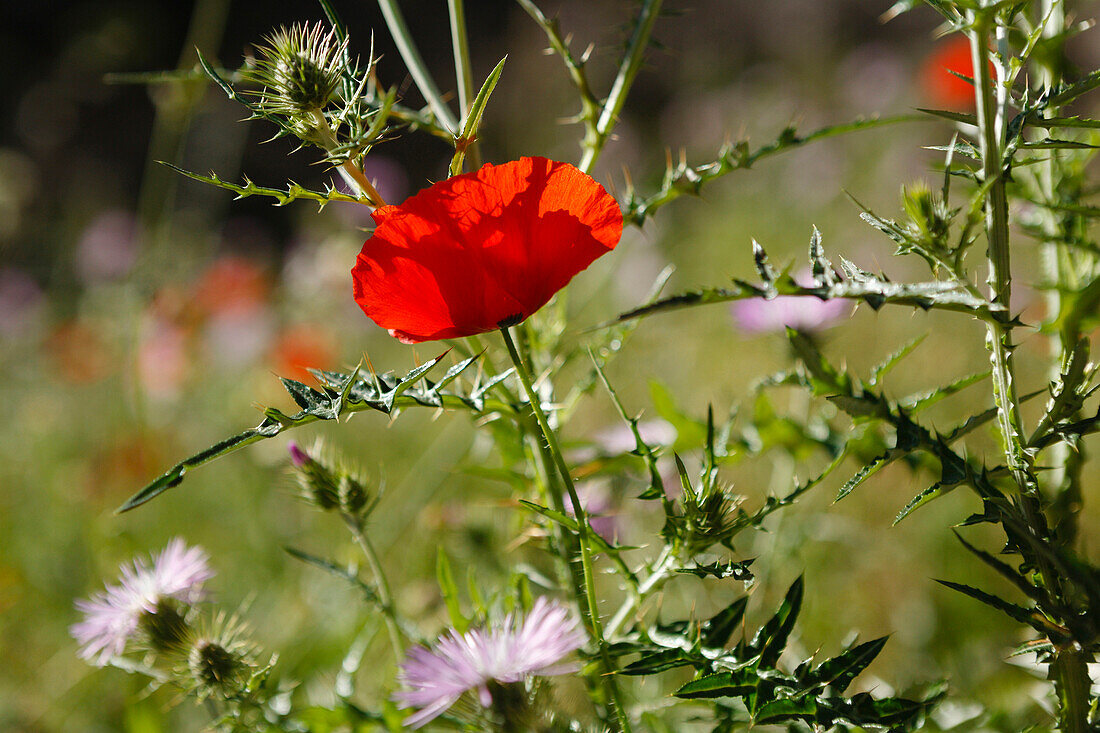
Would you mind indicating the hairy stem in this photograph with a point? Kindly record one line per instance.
(381, 584)
(584, 532)
(990, 107)
(657, 576)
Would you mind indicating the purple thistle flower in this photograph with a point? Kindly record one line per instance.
(459, 663)
(298, 456)
(111, 618)
(801, 312)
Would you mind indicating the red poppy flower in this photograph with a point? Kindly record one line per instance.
(940, 85)
(482, 249)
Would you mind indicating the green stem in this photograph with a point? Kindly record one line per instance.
(1070, 673)
(461, 45)
(990, 111)
(1069, 668)
(382, 586)
(589, 602)
(352, 175)
(395, 21)
(628, 69)
(657, 576)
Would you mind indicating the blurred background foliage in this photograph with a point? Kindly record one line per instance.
(142, 315)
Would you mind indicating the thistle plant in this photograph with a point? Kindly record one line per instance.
(482, 260)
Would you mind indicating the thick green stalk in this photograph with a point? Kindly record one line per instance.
(395, 21)
(990, 108)
(628, 69)
(587, 600)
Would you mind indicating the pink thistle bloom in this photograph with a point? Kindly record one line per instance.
(459, 663)
(111, 618)
(801, 312)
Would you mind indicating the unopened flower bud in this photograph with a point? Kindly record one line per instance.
(326, 483)
(299, 69)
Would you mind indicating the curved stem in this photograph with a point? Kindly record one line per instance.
(352, 175)
(589, 602)
(381, 585)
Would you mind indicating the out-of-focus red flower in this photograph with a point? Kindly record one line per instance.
(79, 353)
(943, 88)
(231, 284)
(300, 348)
(482, 249)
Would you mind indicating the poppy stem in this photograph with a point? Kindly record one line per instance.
(584, 531)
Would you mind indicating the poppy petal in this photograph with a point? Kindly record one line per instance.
(482, 248)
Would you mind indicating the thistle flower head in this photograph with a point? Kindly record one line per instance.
(145, 601)
(299, 69)
(478, 660)
(221, 659)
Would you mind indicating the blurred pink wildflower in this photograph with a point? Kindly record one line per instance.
(801, 312)
(111, 618)
(459, 663)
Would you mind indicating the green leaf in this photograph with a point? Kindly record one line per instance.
(883, 368)
(918, 402)
(1013, 611)
(784, 709)
(936, 294)
(657, 662)
(473, 119)
(839, 671)
(732, 569)
(570, 523)
(343, 393)
(293, 191)
(449, 591)
(721, 684)
(716, 631)
(771, 638)
(963, 117)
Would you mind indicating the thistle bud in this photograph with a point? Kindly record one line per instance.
(299, 69)
(327, 483)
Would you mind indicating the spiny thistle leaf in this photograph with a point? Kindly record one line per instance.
(292, 193)
(771, 639)
(737, 156)
(873, 290)
(343, 393)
